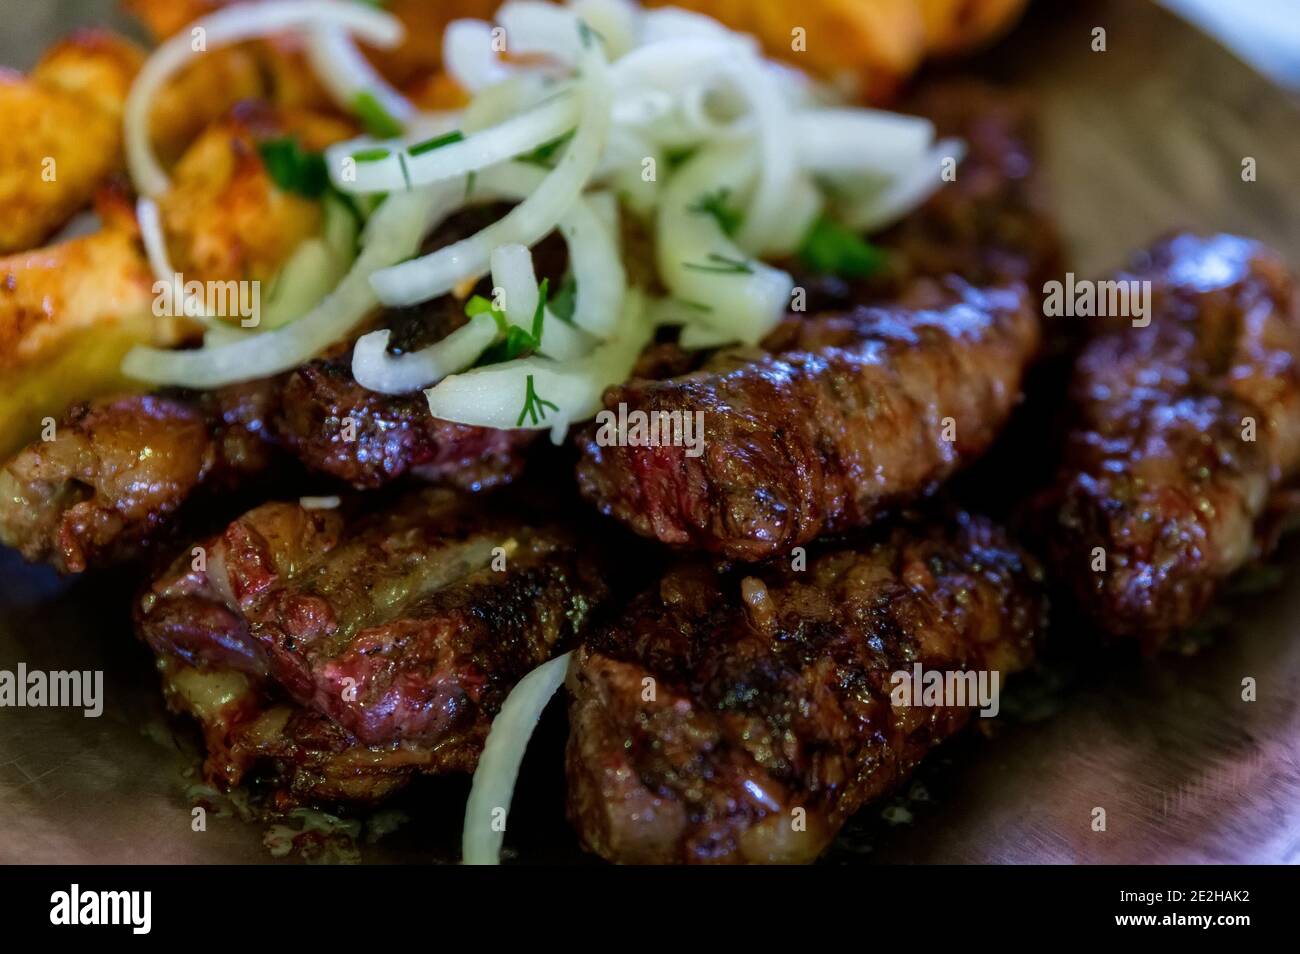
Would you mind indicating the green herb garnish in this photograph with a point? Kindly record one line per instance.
(437, 142)
(565, 301)
(831, 249)
(544, 154)
(516, 342)
(721, 265)
(534, 405)
(371, 155)
(292, 168)
(374, 117)
(715, 204)
(586, 33)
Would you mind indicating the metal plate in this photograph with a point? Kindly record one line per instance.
(1144, 137)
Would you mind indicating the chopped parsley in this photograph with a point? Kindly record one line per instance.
(721, 265)
(586, 34)
(565, 300)
(292, 168)
(535, 405)
(715, 204)
(377, 120)
(544, 155)
(516, 342)
(371, 155)
(437, 142)
(831, 249)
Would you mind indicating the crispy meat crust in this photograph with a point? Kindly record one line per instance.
(851, 418)
(407, 625)
(115, 473)
(296, 756)
(1160, 470)
(718, 705)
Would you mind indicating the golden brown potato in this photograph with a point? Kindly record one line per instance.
(60, 134)
(200, 94)
(61, 126)
(291, 80)
(224, 217)
(68, 312)
(94, 65)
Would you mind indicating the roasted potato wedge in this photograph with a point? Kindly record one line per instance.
(68, 312)
(224, 217)
(60, 133)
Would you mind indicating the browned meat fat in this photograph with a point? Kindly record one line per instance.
(297, 756)
(115, 473)
(858, 412)
(745, 717)
(1184, 428)
(407, 626)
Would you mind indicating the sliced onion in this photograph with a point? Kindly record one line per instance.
(498, 767)
(778, 165)
(535, 27)
(803, 205)
(907, 192)
(693, 253)
(508, 98)
(512, 272)
(431, 275)
(617, 21)
(230, 25)
(495, 395)
(624, 169)
(468, 57)
(594, 252)
(671, 23)
(155, 247)
(376, 369)
(393, 232)
(861, 141)
(521, 134)
(346, 74)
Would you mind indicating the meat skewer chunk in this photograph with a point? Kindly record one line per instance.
(1184, 427)
(297, 754)
(114, 475)
(404, 627)
(744, 718)
(858, 412)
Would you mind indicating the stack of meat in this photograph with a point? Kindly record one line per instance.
(738, 708)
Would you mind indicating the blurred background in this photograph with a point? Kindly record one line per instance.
(1266, 33)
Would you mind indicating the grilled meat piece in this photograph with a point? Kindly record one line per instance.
(859, 411)
(116, 471)
(719, 705)
(335, 426)
(121, 468)
(298, 756)
(409, 624)
(1183, 429)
